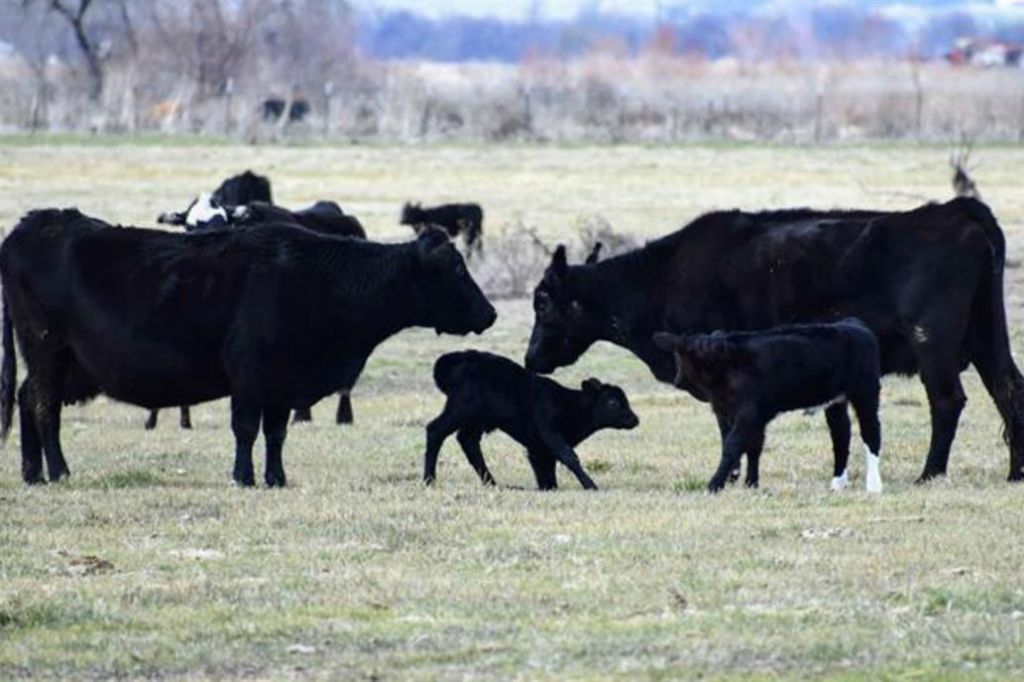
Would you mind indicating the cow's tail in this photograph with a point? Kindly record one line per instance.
(8, 373)
(989, 340)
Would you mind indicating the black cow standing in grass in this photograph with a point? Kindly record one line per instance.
(487, 392)
(927, 282)
(750, 377)
(272, 316)
(456, 219)
(214, 209)
(325, 217)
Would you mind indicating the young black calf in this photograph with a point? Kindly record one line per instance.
(750, 377)
(487, 392)
(464, 219)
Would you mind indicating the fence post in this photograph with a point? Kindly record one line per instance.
(328, 91)
(229, 89)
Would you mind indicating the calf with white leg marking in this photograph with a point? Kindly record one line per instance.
(487, 392)
(750, 377)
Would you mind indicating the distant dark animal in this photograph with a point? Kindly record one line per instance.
(750, 377)
(963, 184)
(185, 421)
(487, 392)
(214, 209)
(927, 282)
(287, 317)
(273, 108)
(456, 219)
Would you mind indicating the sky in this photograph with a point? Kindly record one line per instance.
(512, 10)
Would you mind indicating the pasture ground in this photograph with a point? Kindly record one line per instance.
(149, 564)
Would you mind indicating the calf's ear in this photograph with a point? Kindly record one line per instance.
(591, 385)
(667, 341)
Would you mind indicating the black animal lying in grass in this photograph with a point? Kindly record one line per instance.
(487, 392)
(750, 377)
(456, 219)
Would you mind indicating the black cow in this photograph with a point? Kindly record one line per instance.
(487, 392)
(325, 217)
(273, 108)
(287, 317)
(456, 219)
(927, 282)
(214, 209)
(750, 377)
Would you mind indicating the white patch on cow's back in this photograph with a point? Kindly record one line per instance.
(873, 479)
(839, 482)
(203, 211)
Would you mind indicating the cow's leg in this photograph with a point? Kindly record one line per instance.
(302, 414)
(724, 426)
(469, 439)
(1003, 381)
(754, 459)
(152, 419)
(744, 431)
(47, 399)
(186, 417)
(865, 404)
(438, 430)
(275, 428)
(245, 423)
(839, 429)
(946, 400)
(31, 446)
(543, 465)
(564, 453)
(344, 414)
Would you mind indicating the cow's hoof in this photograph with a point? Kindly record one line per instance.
(928, 476)
(1015, 477)
(186, 425)
(276, 481)
(34, 479)
(244, 481)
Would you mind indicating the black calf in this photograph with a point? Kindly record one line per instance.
(456, 219)
(750, 377)
(487, 392)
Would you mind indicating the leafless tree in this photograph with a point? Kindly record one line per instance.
(75, 16)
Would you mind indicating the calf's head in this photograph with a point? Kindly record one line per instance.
(609, 406)
(450, 299)
(564, 327)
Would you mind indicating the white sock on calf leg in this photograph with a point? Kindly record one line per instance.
(839, 482)
(873, 479)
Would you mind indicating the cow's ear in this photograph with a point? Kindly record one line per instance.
(431, 242)
(591, 385)
(667, 341)
(559, 265)
(595, 253)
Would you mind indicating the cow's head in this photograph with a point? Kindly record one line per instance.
(205, 213)
(564, 326)
(609, 407)
(451, 299)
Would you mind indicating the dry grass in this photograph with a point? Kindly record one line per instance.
(148, 564)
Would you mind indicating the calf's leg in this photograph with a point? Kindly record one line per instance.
(438, 430)
(151, 419)
(186, 417)
(839, 429)
(744, 432)
(469, 439)
(565, 454)
(724, 426)
(275, 428)
(865, 405)
(543, 465)
(245, 423)
(302, 414)
(754, 459)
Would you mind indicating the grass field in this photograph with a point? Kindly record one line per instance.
(149, 564)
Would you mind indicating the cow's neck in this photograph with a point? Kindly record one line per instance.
(628, 293)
